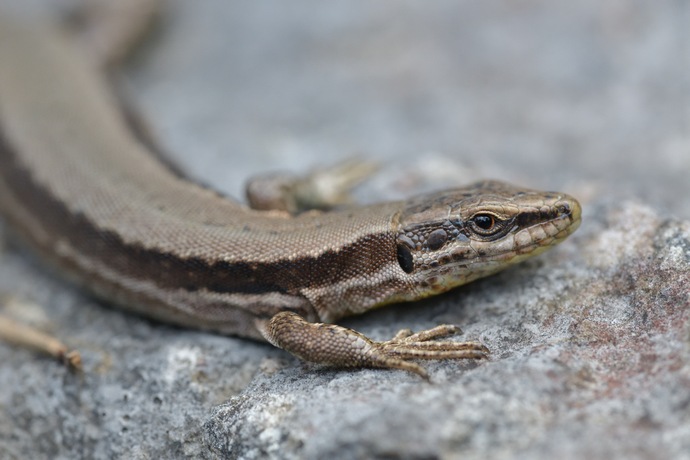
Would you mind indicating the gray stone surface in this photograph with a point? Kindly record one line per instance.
(590, 342)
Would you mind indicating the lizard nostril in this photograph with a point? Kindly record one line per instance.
(563, 208)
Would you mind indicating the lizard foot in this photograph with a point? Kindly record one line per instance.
(342, 347)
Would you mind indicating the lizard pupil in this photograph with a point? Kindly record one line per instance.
(484, 221)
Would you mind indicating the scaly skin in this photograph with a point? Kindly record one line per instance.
(81, 189)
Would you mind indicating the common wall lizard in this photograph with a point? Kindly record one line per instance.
(89, 197)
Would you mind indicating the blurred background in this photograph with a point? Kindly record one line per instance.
(588, 97)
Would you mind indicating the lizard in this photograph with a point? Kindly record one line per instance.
(79, 186)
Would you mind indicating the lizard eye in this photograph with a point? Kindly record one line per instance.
(484, 221)
(485, 224)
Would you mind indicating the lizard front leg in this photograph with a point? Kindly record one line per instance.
(338, 346)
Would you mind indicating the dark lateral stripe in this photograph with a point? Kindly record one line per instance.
(167, 270)
(538, 216)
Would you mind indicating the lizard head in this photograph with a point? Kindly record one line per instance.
(450, 238)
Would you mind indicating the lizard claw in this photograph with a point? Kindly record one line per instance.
(425, 345)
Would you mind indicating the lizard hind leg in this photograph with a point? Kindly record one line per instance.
(338, 346)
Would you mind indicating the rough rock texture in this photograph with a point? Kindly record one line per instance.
(591, 359)
(590, 342)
